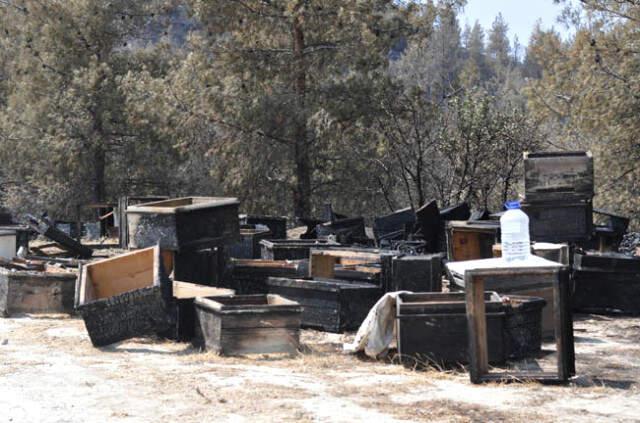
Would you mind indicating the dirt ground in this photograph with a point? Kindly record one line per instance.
(49, 372)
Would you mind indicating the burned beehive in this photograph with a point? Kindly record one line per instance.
(559, 221)
(347, 231)
(328, 304)
(433, 327)
(248, 324)
(277, 225)
(205, 267)
(606, 283)
(250, 276)
(290, 249)
(48, 230)
(558, 176)
(184, 223)
(183, 307)
(121, 219)
(249, 245)
(421, 273)
(126, 296)
(471, 240)
(36, 292)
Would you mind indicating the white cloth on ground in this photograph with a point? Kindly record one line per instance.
(377, 334)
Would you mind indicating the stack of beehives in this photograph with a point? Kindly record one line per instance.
(558, 195)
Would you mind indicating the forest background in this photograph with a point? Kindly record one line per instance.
(371, 105)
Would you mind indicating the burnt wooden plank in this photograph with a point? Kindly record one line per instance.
(428, 225)
(277, 225)
(400, 220)
(290, 249)
(66, 242)
(250, 276)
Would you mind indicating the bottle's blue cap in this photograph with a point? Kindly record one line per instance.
(512, 205)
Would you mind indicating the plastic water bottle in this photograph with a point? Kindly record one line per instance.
(514, 228)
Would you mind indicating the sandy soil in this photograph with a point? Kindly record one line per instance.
(49, 372)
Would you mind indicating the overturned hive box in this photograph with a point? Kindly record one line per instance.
(606, 283)
(248, 324)
(126, 296)
(36, 292)
(184, 223)
(329, 305)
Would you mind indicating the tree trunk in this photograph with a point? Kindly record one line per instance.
(99, 185)
(302, 188)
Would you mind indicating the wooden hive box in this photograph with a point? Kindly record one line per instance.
(421, 273)
(559, 221)
(558, 176)
(606, 283)
(328, 304)
(249, 246)
(250, 276)
(204, 267)
(36, 292)
(248, 324)
(533, 285)
(126, 296)
(289, 249)
(471, 240)
(432, 328)
(184, 223)
(183, 307)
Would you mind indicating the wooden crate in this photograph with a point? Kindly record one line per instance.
(558, 176)
(183, 308)
(417, 273)
(606, 283)
(184, 223)
(329, 305)
(250, 276)
(121, 215)
(289, 249)
(432, 328)
(559, 221)
(248, 324)
(249, 245)
(36, 292)
(126, 296)
(471, 240)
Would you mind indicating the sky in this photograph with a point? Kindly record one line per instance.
(521, 15)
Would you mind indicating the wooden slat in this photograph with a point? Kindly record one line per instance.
(183, 290)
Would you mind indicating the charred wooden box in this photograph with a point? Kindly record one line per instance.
(184, 223)
(290, 249)
(558, 176)
(183, 308)
(607, 283)
(248, 324)
(471, 240)
(277, 225)
(36, 292)
(205, 267)
(126, 296)
(249, 245)
(250, 276)
(432, 328)
(329, 305)
(417, 273)
(559, 221)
